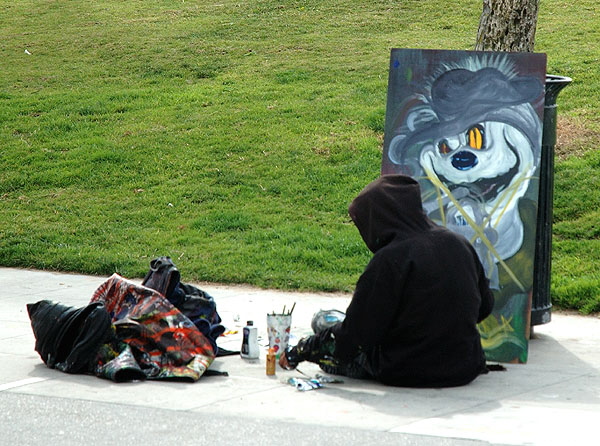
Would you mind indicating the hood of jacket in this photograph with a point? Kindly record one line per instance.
(390, 207)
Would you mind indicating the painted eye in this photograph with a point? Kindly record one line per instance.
(475, 137)
(443, 147)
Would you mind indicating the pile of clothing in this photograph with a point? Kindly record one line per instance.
(161, 329)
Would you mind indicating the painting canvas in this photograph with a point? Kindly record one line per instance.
(468, 126)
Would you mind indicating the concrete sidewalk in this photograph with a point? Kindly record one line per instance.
(552, 400)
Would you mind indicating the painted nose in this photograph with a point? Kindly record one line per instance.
(464, 160)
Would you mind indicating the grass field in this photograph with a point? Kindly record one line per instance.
(231, 135)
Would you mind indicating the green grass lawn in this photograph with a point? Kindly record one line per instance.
(232, 135)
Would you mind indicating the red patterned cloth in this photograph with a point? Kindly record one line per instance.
(164, 342)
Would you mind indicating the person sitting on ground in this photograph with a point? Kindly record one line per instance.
(412, 320)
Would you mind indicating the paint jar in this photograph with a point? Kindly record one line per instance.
(278, 329)
(249, 348)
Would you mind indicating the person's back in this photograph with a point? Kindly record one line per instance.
(432, 338)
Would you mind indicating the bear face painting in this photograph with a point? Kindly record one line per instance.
(477, 137)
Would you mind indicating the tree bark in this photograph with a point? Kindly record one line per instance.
(507, 25)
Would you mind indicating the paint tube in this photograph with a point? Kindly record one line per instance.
(304, 384)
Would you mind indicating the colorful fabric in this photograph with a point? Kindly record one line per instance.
(164, 342)
(116, 361)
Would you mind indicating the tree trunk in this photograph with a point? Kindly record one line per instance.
(507, 25)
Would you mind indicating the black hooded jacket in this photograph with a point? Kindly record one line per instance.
(415, 308)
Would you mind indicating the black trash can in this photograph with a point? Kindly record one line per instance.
(541, 305)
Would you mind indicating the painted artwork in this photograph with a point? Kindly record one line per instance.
(468, 126)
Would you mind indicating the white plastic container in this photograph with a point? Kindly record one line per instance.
(249, 348)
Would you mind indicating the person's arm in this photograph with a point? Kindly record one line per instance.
(316, 348)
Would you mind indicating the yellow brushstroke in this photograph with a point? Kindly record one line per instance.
(494, 333)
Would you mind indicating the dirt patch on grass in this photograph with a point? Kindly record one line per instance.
(574, 137)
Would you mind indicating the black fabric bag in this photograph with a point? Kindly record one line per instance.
(68, 338)
(164, 277)
(196, 304)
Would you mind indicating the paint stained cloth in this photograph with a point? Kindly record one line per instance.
(164, 342)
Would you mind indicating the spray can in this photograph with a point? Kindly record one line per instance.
(249, 348)
(271, 362)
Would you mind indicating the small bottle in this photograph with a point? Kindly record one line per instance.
(249, 348)
(271, 362)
